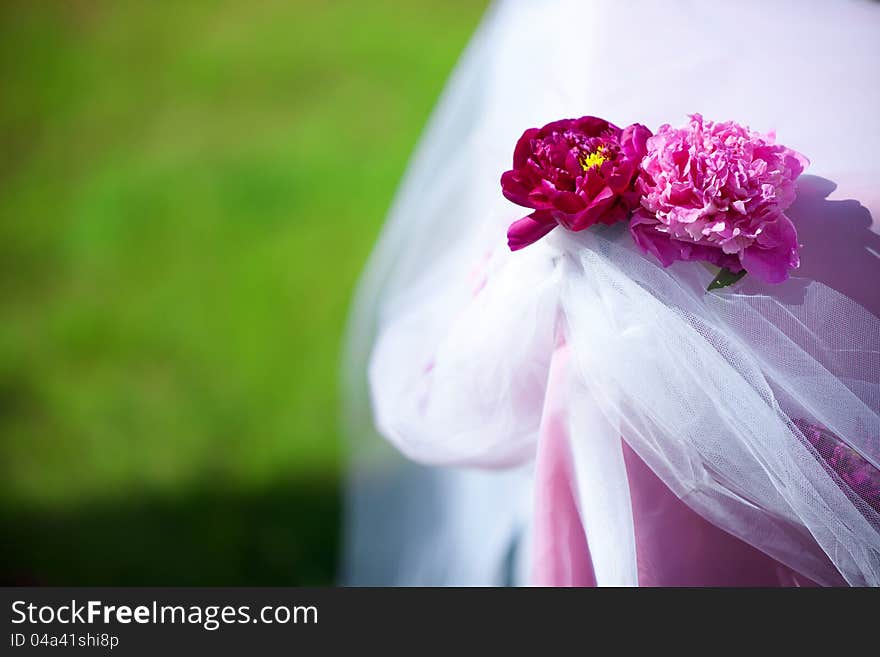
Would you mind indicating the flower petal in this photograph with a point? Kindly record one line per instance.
(529, 229)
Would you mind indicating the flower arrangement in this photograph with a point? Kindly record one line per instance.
(713, 192)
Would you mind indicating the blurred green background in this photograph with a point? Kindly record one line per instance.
(188, 192)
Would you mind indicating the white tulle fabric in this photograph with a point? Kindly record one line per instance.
(452, 334)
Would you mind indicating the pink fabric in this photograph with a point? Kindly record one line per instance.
(674, 545)
(560, 554)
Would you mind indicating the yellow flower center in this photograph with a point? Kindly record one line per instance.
(594, 159)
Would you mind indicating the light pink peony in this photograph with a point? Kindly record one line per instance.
(717, 192)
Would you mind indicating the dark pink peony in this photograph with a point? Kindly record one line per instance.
(717, 192)
(573, 173)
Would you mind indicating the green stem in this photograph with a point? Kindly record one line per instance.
(724, 278)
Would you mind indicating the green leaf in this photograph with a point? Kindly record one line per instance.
(724, 278)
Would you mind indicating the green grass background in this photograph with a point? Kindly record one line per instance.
(188, 192)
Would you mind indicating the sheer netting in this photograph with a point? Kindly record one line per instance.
(756, 405)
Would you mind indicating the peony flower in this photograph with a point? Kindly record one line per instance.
(573, 173)
(717, 192)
